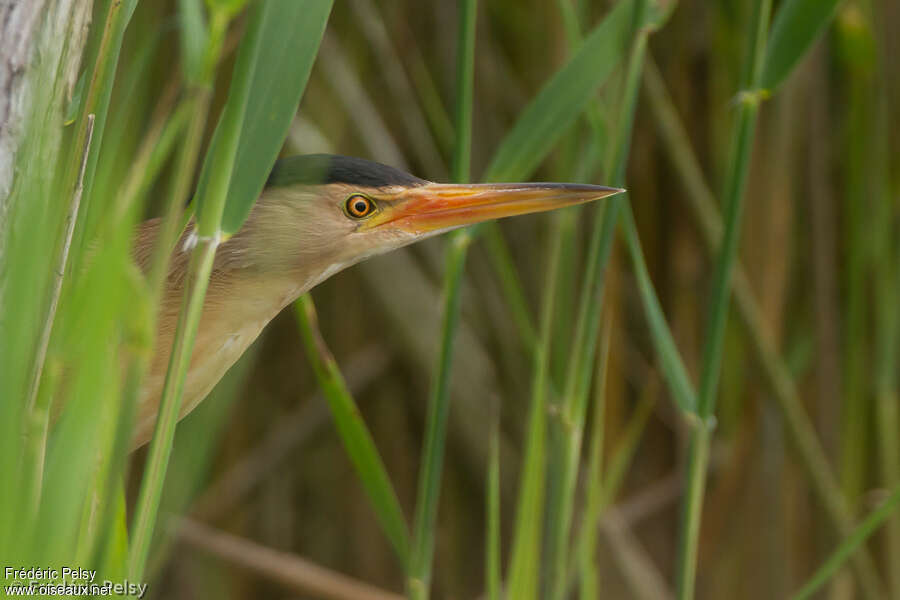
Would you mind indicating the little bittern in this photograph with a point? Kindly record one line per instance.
(317, 215)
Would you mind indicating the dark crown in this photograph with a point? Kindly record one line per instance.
(312, 169)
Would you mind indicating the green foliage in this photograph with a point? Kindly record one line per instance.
(846, 548)
(194, 38)
(720, 302)
(432, 464)
(221, 173)
(291, 32)
(525, 556)
(353, 431)
(64, 445)
(272, 68)
(797, 26)
(563, 98)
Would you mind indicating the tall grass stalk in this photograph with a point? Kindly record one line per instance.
(196, 106)
(39, 420)
(573, 407)
(886, 254)
(850, 545)
(77, 179)
(419, 579)
(523, 581)
(552, 112)
(270, 73)
(161, 445)
(208, 237)
(492, 567)
(586, 548)
(698, 451)
(356, 437)
(96, 101)
(670, 360)
(776, 371)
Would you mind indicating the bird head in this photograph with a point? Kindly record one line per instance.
(321, 213)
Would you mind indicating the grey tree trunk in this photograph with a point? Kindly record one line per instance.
(41, 42)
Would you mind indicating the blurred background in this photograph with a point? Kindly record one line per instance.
(813, 322)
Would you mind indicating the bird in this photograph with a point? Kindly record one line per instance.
(317, 215)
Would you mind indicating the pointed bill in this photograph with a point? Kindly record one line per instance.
(440, 206)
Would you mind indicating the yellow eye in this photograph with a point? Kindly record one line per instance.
(358, 206)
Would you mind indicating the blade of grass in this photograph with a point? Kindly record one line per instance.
(602, 492)
(886, 255)
(418, 581)
(587, 546)
(220, 156)
(155, 150)
(524, 563)
(797, 25)
(670, 360)
(857, 158)
(78, 177)
(775, 369)
(147, 507)
(196, 105)
(543, 121)
(889, 413)
(194, 37)
(698, 451)
(849, 546)
(492, 548)
(96, 102)
(251, 78)
(420, 567)
(627, 444)
(581, 364)
(39, 414)
(353, 431)
(293, 34)
(563, 98)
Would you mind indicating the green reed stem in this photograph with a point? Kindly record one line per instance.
(698, 450)
(208, 235)
(353, 431)
(775, 369)
(78, 180)
(419, 578)
(849, 546)
(524, 562)
(420, 565)
(465, 82)
(492, 549)
(38, 410)
(887, 343)
(586, 546)
(573, 408)
(164, 433)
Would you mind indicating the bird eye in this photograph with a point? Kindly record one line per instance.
(358, 206)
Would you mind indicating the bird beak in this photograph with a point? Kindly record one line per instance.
(438, 207)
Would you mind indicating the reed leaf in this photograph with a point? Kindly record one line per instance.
(525, 555)
(698, 451)
(797, 26)
(775, 368)
(847, 548)
(566, 452)
(492, 566)
(563, 98)
(353, 431)
(242, 122)
(420, 567)
(281, 69)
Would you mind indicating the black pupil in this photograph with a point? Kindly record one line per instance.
(360, 206)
